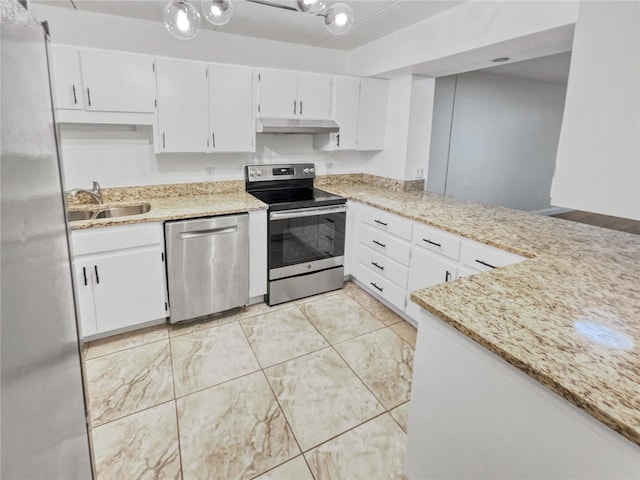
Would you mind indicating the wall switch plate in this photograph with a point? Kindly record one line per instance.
(329, 168)
(210, 171)
(419, 173)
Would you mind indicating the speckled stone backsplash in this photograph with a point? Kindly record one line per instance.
(145, 192)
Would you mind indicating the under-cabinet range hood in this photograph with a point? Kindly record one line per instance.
(284, 125)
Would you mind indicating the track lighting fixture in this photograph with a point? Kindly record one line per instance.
(182, 19)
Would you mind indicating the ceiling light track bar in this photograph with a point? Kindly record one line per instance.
(279, 5)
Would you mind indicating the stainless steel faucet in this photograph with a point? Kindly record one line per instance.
(95, 192)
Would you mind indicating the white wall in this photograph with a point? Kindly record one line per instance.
(121, 155)
(467, 27)
(409, 114)
(88, 29)
(598, 163)
(504, 138)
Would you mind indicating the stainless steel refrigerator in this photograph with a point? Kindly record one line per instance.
(44, 431)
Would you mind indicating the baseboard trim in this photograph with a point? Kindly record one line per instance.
(552, 211)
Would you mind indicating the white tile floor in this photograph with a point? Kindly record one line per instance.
(313, 389)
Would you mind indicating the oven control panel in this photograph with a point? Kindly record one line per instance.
(261, 173)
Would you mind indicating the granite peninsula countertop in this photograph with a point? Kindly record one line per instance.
(174, 208)
(568, 316)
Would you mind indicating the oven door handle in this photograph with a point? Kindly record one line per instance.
(306, 212)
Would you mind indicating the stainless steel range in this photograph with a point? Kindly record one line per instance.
(306, 231)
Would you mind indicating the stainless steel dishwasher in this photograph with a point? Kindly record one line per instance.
(207, 265)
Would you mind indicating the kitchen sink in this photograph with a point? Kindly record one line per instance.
(108, 212)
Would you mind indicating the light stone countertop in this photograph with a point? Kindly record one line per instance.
(534, 314)
(175, 208)
(568, 316)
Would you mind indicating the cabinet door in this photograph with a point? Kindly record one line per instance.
(67, 79)
(372, 114)
(118, 82)
(427, 269)
(84, 298)
(278, 93)
(183, 108)
(345, 112)
(314, 96)
(129, 288)
(231, 123)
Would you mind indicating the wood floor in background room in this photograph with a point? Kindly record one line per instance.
(605, 221)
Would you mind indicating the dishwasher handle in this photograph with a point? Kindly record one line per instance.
(208, 232)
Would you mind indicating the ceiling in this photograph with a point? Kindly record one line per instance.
(373, 18)
(552, 68)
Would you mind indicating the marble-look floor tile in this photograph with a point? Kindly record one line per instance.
(208, 357)
(339, 317)
(282, 335)
(406, 331)
(401, 415)
(381, 312)
(128, 381)
(373, 450)
(204, 323)
(302, 301)
(142, 445)
(234, 430)
(295, 469)
(123, 341)
(384, 362)
(320, 396)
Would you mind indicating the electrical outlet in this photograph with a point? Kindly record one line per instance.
(329, 168)
(419, 173)
(210, 171)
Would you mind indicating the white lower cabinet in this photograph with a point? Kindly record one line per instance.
(428, 269)
(120, 277)
(395, 256)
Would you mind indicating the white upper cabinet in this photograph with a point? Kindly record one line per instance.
(278, 93)
(67, 78)
(117, 82)
(231, 119)
(314, 96)
(372, 113)
(288, 94)
(344, 111)
(183, 110)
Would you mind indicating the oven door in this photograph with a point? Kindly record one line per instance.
(306, 240)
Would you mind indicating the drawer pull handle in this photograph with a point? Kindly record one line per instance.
(380, 289)
(447, 276)
(381, 223)
(329, 237)
(381, 244)
(485, 263)
(432, 243)
(377, 266)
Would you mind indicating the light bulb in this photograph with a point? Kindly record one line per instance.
(182, 22)
(217, 12)
(310, 7)
(181, 19)
(339, 18)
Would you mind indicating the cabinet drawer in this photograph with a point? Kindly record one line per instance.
(484, 257)
(387, 222)
(98, 240)
(437, 241)
(381, 286)
(382, 242)
(383, 266)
